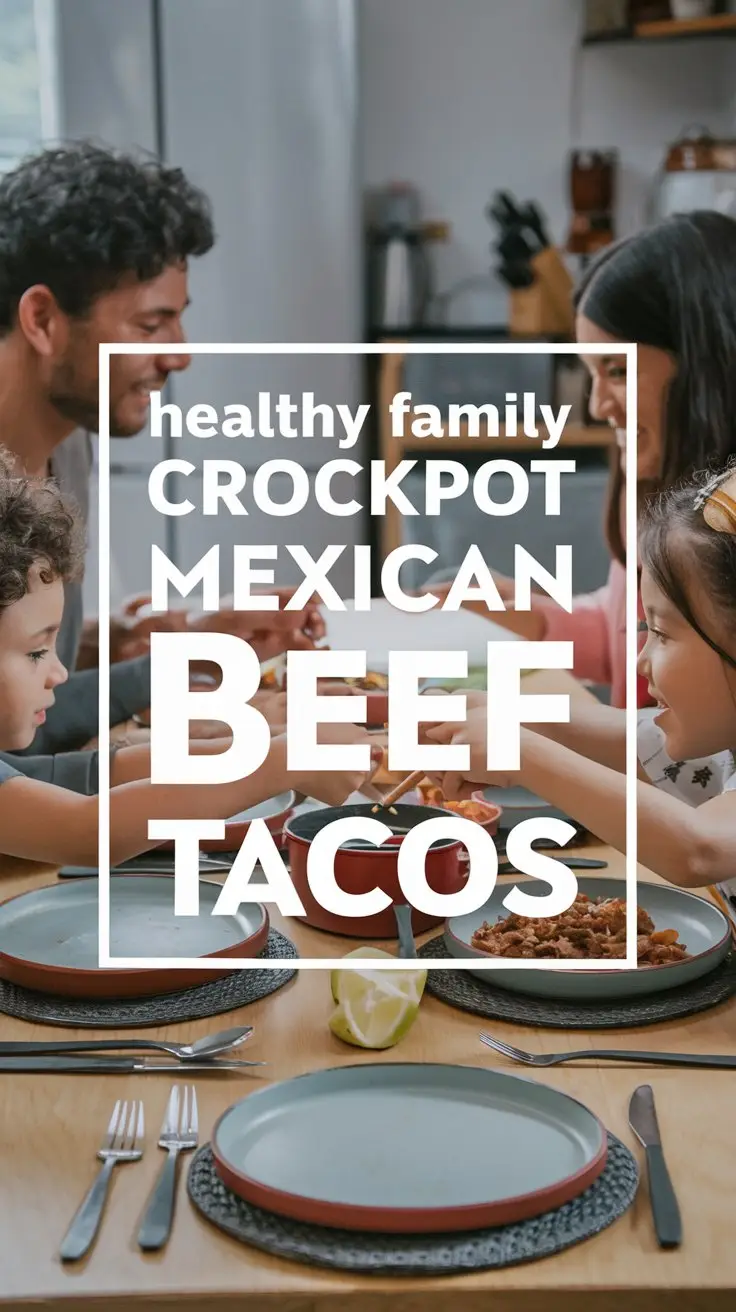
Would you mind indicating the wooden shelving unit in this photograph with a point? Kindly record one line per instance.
(716, 25)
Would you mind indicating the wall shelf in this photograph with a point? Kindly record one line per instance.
(671, 29)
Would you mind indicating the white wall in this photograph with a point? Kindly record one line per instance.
(465, 97)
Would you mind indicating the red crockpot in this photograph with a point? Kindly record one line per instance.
(360, 870)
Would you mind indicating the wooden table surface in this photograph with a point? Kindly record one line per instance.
(51, 1128)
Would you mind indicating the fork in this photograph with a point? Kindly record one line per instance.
(608, 1054)
(178, 1134)
(123, 1142)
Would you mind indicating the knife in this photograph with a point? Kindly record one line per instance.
(575, 863)
(665, 1210)
(155, 866)
(111, 1066)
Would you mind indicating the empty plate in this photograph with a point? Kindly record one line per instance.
(701, 927)
(49, 937)
(408, 1148)
(275, 812)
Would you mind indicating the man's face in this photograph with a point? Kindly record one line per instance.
(133, 312)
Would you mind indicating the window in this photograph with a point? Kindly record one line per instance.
(28, 99)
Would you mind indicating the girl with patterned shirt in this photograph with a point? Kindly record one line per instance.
(686, 799)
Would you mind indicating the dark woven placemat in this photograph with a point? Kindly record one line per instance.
(237, 989)
(469, 993)
(408, 1255)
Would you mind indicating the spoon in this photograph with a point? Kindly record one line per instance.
(407, 946)
(212, 1045)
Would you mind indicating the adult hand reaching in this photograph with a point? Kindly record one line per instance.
(528, 624)
(269, 632)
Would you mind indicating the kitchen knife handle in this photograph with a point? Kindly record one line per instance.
(665, 1209)
(68, 1065)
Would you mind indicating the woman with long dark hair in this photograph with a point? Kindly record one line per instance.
(671, 289)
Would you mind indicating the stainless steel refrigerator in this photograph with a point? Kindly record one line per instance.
(257, 100)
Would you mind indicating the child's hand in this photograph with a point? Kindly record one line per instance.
(474, 701)
(457, 785)
(334, 786)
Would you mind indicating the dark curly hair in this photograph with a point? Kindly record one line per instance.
(38, 527)
(79, 218)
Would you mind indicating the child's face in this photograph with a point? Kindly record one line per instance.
(29, 666)
(693, 686)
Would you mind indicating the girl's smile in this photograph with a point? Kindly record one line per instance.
(694, 691)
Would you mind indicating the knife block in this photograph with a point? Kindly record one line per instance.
(545, 309)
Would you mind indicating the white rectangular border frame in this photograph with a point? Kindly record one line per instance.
(107, 350)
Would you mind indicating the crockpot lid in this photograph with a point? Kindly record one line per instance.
(307, 825)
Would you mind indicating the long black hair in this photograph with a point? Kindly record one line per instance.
(673, 286)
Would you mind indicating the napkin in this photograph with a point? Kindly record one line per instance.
(384, 628)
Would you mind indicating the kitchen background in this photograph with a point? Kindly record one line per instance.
(296, 116)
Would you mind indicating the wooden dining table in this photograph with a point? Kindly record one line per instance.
(51, 1127)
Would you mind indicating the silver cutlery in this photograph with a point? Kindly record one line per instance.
(164, 864)
(665, 1209)
(641, 1058)
(123, 1142)
(572, 863)
(178, 1134)
(212, 1045)
(94, 1065)
(156, 865)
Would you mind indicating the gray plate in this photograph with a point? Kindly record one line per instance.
(408, 1147)
(264, 810)
(57, 925)
(516, 799)
(701, 926)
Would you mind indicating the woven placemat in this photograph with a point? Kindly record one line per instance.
(469, 993)
(237, 989)
(415, 1255)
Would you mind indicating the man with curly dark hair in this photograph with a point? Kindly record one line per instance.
(94, 247)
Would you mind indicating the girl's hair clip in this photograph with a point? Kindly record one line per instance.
(718, 502)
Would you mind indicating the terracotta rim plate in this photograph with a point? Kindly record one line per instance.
(48, 937)
(518, 804)
(701, 926)
(408, 1148)
(275, 812)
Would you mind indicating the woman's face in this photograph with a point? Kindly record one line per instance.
(655, 371)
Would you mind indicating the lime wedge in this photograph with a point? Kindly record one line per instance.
(376, 1008)
(365, 951)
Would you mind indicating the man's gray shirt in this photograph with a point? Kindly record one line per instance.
(74, 719)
